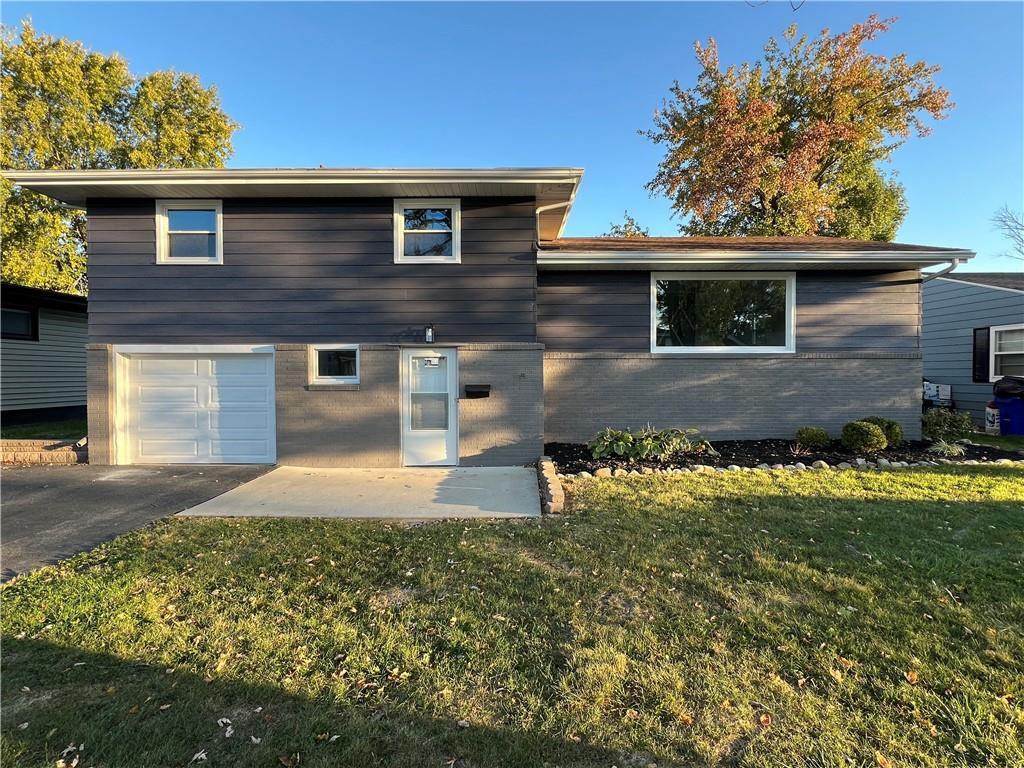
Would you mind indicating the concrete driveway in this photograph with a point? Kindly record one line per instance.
(53, 512)
(410, 493)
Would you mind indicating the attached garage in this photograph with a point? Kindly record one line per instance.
(195, 406)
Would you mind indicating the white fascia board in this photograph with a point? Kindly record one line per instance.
(656, 259)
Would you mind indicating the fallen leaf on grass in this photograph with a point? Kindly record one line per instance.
(846, 663)
(765, 720)
(685, 719)
(882, 760)
(911, 677)
(836, 675)
(463, 723)
(199, 756)
(23, 726)
(164, 707)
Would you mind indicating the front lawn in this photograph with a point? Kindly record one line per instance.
(761, 619)
(1006, 442)
(70, 429)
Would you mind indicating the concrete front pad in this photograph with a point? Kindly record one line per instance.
(408, 493)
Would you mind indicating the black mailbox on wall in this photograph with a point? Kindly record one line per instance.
(474, 391)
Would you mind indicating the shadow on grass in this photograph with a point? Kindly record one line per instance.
(118, 710)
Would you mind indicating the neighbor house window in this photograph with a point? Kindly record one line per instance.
(334, 364)
(189, 232)
(428, 231)
(722, 312)
(20, 323)
(1006, 348)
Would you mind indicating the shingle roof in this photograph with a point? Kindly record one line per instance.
(674, 244)
(1014, 280)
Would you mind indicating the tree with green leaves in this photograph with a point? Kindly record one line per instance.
(629, 228)
(65, 107)
(791, 144)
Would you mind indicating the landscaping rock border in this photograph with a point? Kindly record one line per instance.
(552, 495)
(46, 451)
(858, 464)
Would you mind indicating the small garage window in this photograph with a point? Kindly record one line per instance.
(189, 232)
(334, 364)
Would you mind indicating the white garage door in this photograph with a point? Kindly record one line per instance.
(205, 409)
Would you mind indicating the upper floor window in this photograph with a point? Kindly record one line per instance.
(428, 231)
(1006, 348)
(189, 232)
(20, 323)
(722, 312)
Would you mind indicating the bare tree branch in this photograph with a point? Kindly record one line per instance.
(1011, 224)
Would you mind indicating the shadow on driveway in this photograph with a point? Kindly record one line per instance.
(53, 512)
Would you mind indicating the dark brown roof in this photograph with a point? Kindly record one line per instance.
(11, 294)
(1013, 280)
(810, 244)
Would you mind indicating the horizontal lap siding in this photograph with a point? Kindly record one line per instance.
(49, 373)
(952, 311)
(844, 312)
(312, 270)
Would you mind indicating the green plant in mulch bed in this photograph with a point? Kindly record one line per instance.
(648, 443)
(864, 437)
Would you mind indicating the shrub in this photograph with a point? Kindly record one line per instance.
(647, 443)
(862, 436)
(814, 438)
(942, 448)
(893, 430)
(945, 424)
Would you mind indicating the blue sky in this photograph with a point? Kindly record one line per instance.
(539, 84)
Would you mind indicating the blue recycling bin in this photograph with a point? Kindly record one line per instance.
(1009, 401)
(1011, 415)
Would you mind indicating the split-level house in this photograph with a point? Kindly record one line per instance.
(388, 317)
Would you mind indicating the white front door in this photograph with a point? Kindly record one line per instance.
(200, 409)
(430, 423)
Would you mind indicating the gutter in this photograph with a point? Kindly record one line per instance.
(953, 264)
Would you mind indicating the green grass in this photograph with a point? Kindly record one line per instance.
(1006, 442)
(68, 429)
(758, 619)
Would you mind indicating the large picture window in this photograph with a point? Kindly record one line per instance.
(722, 312)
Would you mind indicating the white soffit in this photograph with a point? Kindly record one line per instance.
(550, 186)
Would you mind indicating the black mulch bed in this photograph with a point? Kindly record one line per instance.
(571, 458)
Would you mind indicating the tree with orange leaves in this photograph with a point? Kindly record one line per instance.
(791, 144)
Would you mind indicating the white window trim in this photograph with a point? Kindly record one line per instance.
(992, 354)
(790, 346)
(428, 202)
(314, 375)
(162, 230)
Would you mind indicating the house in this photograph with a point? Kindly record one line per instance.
(42, 355)
(973, 334)
(387, 317)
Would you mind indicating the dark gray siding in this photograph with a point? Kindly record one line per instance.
(835, 311)
(952, 310)
(312, 270)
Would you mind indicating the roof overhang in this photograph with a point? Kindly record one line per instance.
(553, 188)
(733, 259)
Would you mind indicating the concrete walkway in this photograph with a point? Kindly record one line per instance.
(399, 494)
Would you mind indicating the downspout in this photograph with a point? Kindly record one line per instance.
(551, 207)
(945, 271)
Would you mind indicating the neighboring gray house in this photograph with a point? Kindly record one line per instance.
(388, 317)
(42, 355)
(973, 334)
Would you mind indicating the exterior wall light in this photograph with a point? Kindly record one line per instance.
(428, 334)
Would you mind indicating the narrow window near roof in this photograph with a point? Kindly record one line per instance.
(722, 312)
(189, 232)
(427, 231)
